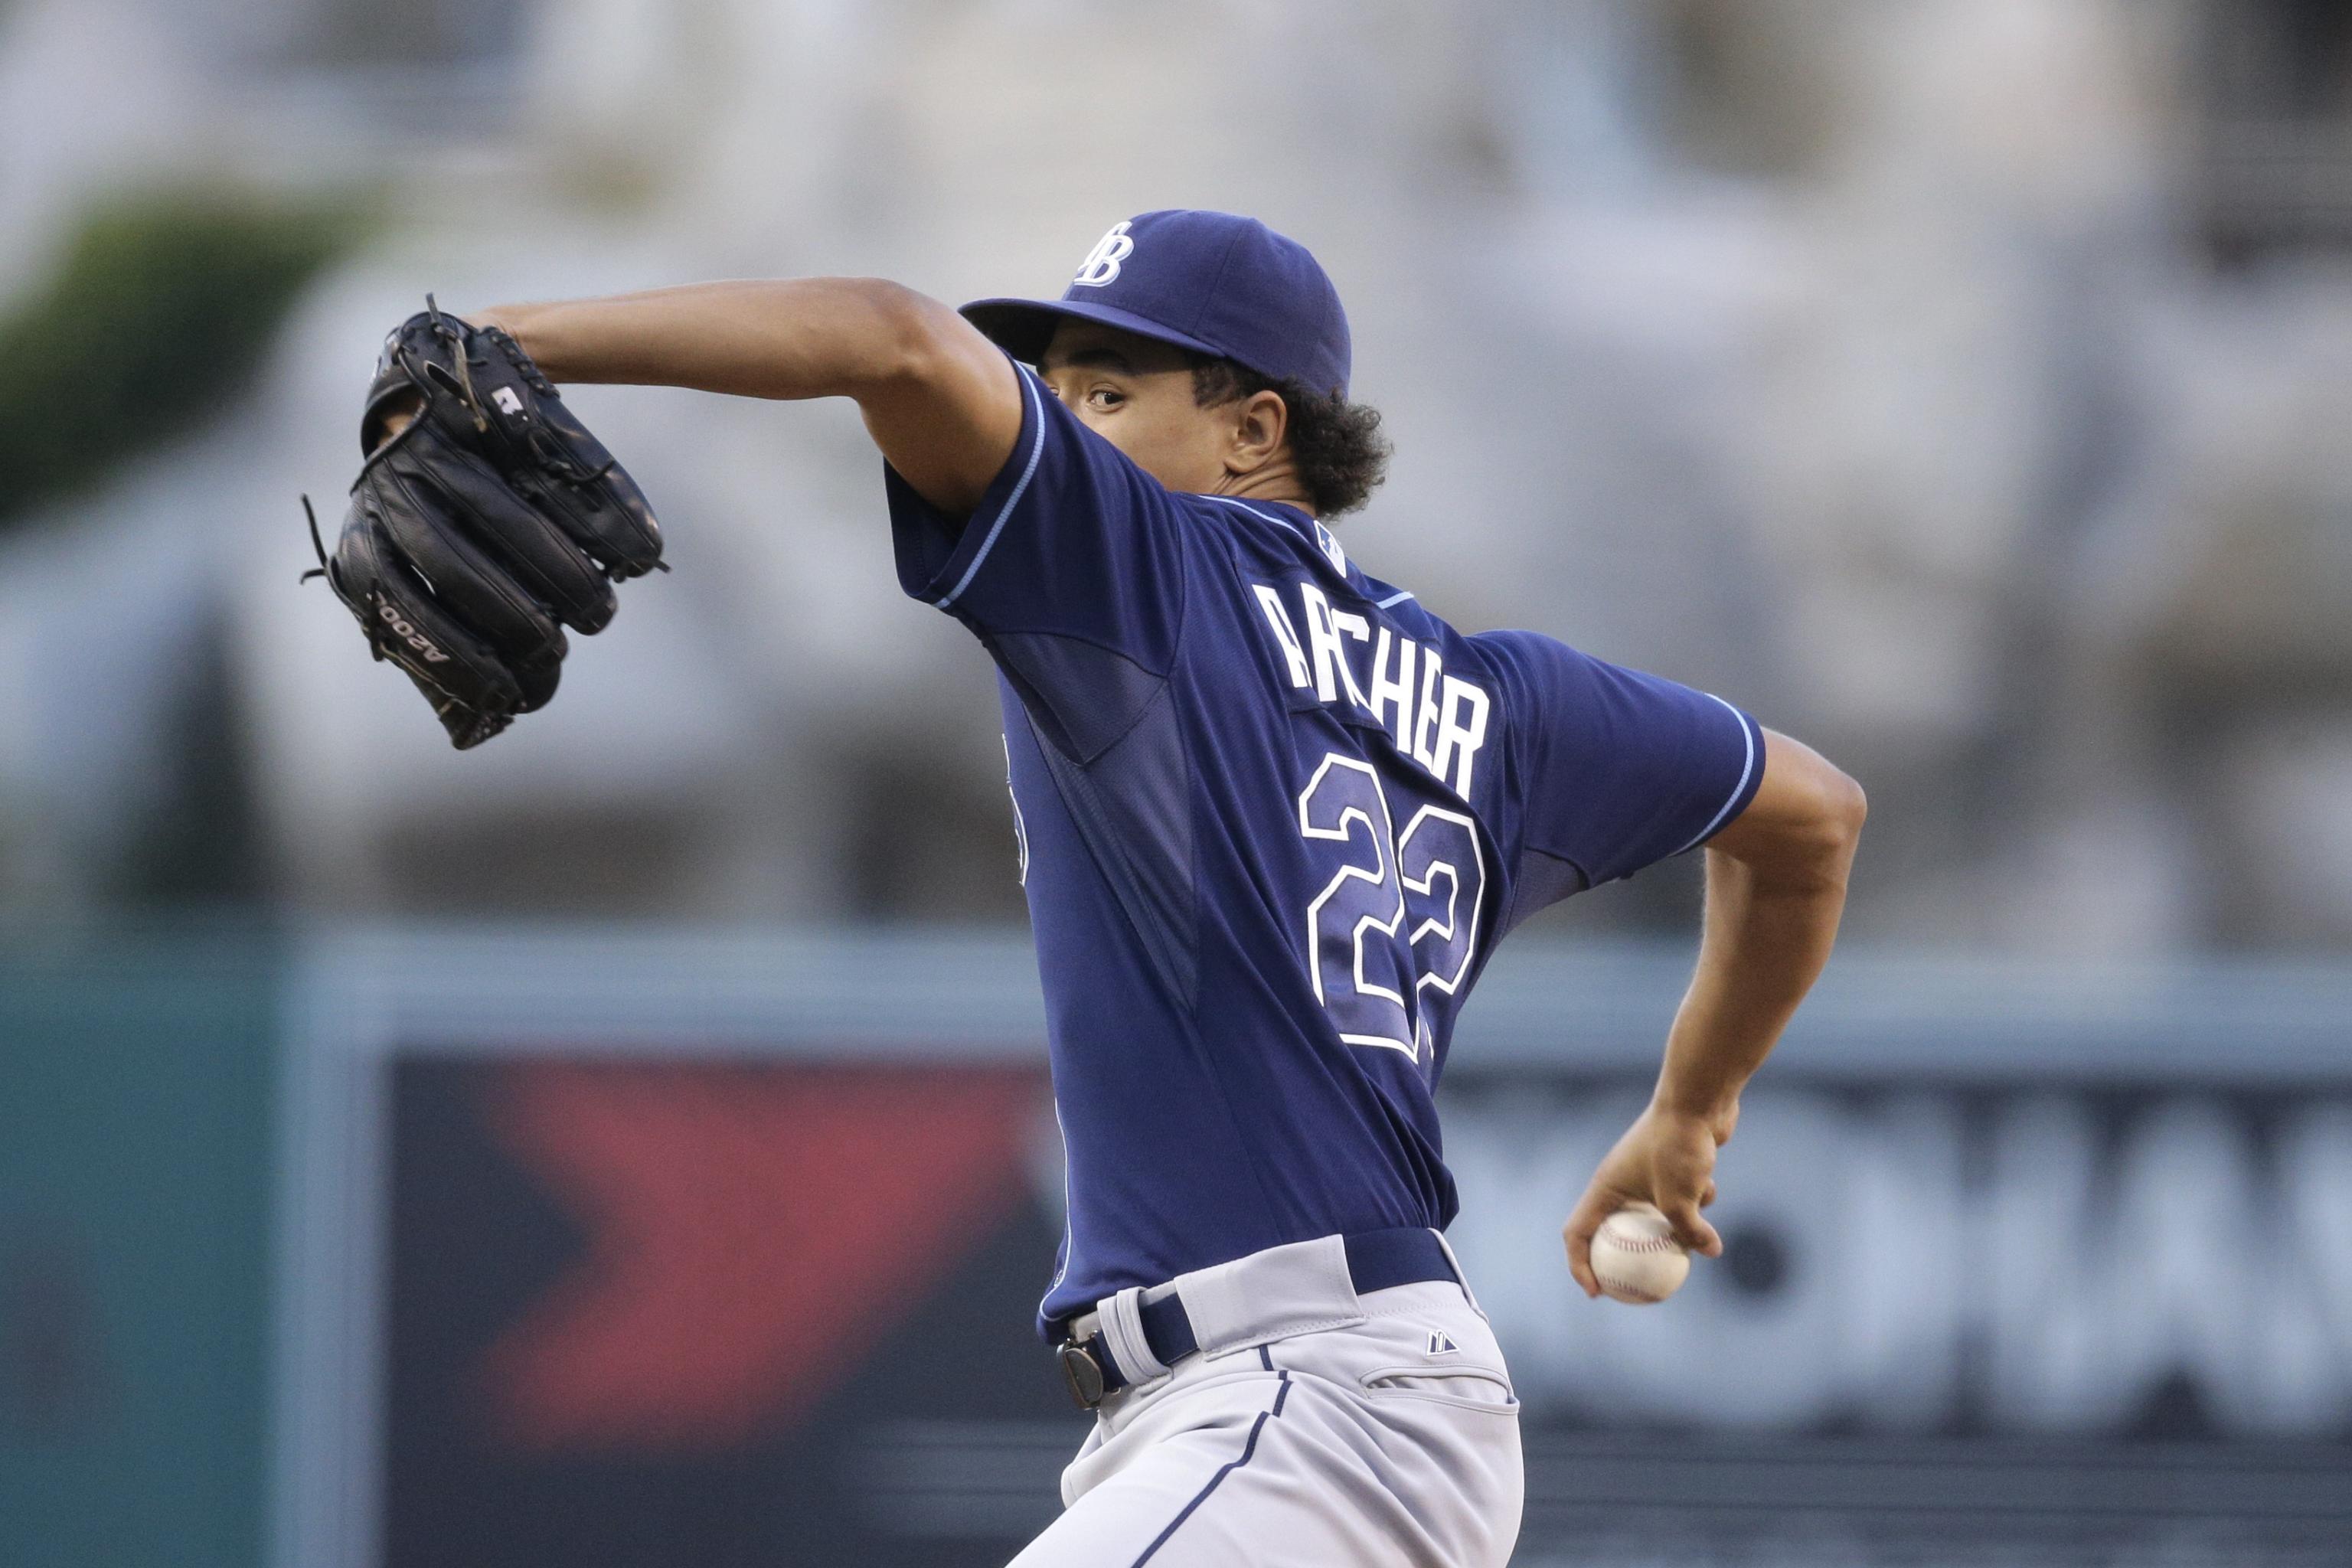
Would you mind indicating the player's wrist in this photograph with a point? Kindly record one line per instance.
(1714, 1107)
(517, 322)
(506, 318)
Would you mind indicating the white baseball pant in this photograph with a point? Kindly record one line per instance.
(1390, 1441)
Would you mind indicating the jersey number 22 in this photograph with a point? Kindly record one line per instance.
(1400, 917)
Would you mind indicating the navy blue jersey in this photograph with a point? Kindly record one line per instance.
(1274, 816)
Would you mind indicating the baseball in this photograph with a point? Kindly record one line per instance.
(1635, 1258)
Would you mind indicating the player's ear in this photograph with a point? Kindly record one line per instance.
(1260, 422)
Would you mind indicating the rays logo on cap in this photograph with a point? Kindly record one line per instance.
(1102, 263)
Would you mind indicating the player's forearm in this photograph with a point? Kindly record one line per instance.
(1766, 941)
(797, 338)
(940, 401)
(1776, 884)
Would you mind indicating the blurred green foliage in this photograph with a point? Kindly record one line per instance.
(160, 315)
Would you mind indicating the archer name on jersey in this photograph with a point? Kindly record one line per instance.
(1437, 720)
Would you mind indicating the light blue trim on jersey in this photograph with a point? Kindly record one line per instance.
(1261, 517)
(1399, 597)
(1036, 450)
(1747, 767)
(1062, 1269)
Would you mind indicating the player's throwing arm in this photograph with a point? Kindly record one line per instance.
(1776, 881)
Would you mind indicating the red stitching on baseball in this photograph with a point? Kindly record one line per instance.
(1644, 1244)
(1621, 1288)
(1636, 1243)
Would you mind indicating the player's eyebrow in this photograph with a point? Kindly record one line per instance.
(1099, 358)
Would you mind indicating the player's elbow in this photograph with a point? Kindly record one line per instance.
(1802, 830)
(1844, 809)
(1825, 829)
(918, 341)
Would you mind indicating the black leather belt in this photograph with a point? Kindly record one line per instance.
(1377, 1259)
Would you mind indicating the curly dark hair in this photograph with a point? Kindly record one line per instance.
(1342, 454)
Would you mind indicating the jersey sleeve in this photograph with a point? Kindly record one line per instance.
(1071, 542)
(1618, 770)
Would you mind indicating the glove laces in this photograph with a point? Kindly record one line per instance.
(456, 338)
(317, 543)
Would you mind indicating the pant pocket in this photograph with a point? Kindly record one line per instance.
(1467, 1387)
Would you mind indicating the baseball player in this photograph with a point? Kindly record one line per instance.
(1275, 815)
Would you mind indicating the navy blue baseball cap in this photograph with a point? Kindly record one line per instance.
(1208, 281)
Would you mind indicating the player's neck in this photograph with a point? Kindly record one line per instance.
(1276, 481)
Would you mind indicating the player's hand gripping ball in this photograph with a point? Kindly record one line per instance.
(483, 528)
(1635, 1256)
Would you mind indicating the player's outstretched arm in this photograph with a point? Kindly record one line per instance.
(941, 401)
(1776, 880)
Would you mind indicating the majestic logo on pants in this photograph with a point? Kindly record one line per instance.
(1102, 263)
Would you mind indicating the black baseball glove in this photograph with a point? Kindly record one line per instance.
(489, 524)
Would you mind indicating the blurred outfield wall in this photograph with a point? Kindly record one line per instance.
(476, 1245)
(137, 1102)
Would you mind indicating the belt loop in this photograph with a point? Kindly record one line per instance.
(1122, 1332)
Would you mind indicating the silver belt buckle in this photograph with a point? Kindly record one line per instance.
(1082, 1372)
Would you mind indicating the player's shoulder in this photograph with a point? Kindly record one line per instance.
(1273, 523)
(1272, 542)
(1277, 536)
(1520, 652)
(1532, 668)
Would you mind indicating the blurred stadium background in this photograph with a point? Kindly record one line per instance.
(627, 1145)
